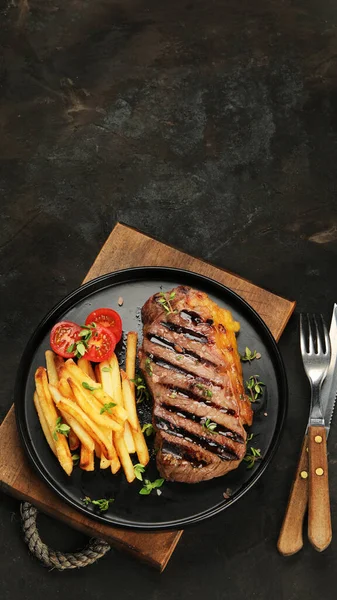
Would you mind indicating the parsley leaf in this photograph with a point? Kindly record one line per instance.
(251, 458)
(205, 391)
(142, 392)
(148, 429)
(106, 369)
(75, 458)
(107, 408)
(103, 503)
(149, 486)
(148, 366)
(139, 469)
(87, 386)
(254, 386)
(209, 426)
(60, 428)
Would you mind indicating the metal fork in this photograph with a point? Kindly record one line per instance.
(316, 359)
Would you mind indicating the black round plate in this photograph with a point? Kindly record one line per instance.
(179, 504)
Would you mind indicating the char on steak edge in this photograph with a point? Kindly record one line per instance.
(192, 368)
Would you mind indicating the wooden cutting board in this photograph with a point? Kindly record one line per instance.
(127, 247)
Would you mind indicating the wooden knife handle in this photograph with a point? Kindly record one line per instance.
(319, 523)
(291, 536)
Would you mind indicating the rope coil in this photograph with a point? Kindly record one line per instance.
(95, 549)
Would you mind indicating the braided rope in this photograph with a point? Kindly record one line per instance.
(95, 549)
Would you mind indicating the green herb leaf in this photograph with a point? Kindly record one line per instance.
(148, 366)
(107, 408)
(205, 391)
(88, 387)
(103, 504)
(250, 437)
(148, 429)
(142, 392)
(81, 349)
(106, 369)
(248, 356)
(139, 469)
(250, 459)
(60, 428)
(165, 301)
(71, 348)
(254, 386)
(75, 458)
(148, 486)
(209, 426)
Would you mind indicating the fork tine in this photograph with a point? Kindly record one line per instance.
(318, 336)
(311, 339)
(326, 337)
(302, 334)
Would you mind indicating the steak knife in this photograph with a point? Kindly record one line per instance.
(291, 536)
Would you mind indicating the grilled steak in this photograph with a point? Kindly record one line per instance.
(191, 365)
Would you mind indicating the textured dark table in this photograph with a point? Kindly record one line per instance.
(213, 126)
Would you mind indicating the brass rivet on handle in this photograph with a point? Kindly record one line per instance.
(318, 439)
(304, 474)
(319, 471)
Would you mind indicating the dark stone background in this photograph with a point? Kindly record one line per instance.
(212, 126)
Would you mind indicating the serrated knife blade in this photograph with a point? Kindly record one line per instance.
(329, 388)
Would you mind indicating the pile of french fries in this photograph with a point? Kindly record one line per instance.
(98, 405)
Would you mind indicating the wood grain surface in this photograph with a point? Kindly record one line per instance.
(127, 247)
(319, 514)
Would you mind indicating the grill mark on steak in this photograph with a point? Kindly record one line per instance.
(167, 365)
(189, 333)
(220, 450)
(178, 349)
(194, 317)
(181, 453)
(221, 430)
(199, 399)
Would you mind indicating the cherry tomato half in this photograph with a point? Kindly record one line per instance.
(106, 317)
(62, 336)
(101, 344)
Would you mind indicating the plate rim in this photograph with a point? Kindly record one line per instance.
(138, 273)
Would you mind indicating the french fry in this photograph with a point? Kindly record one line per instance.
(51, 416)
(64, 386)
(104, 463)
(97, 374)
(117, 395)
(76, 373)
(80, 432)
(51, 367)
(124, 457)
(87, 459)
(92, 408)
(130, 360)
(119, 413)
(141, 447)
(70, 407)
(44, 424)
(115, 465)
(86, 367)
(129, 401)
(79, 376)
(98, 451)
(137, 434)
(116, 391)
(74, 442)
(59, 362)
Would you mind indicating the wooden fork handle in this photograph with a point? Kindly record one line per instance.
(291, 536)
(319, 523)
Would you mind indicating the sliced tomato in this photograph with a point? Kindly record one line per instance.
(62, 336)
(101, 344)
(106, 317)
